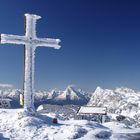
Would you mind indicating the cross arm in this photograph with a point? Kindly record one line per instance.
(12, 39)
(47, 42)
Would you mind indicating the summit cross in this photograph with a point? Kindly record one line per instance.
(31, 41)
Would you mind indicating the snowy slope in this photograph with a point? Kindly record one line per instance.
(53, 94)
(121, 101)
(15, 126)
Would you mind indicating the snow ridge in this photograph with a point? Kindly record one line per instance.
(121, 101)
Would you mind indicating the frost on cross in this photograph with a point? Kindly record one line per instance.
(31, 41)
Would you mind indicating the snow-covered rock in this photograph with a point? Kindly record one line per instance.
(102, 133)
(40, 108)
(53, 94)
(75, 131)
(121, 101)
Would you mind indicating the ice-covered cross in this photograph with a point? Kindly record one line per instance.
(31, 41)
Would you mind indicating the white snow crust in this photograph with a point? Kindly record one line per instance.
(15, 126)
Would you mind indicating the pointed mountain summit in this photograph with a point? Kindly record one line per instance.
(54, 93)
(71, 95)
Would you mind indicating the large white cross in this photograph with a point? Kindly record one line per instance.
(31, 41)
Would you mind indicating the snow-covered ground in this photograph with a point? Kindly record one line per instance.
(15, 126)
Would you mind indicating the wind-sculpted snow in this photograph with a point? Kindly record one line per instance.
(121, 101)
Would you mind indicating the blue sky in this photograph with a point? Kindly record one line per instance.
(100, 43)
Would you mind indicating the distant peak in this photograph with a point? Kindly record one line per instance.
(124, 90)
(98, 89)
(70, 88)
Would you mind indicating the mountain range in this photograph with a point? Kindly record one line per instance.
(121, 101)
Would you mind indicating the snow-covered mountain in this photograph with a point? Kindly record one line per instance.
(119, 101)
(124, 90)
(123, 101)
(71, 95)
(53, 94)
